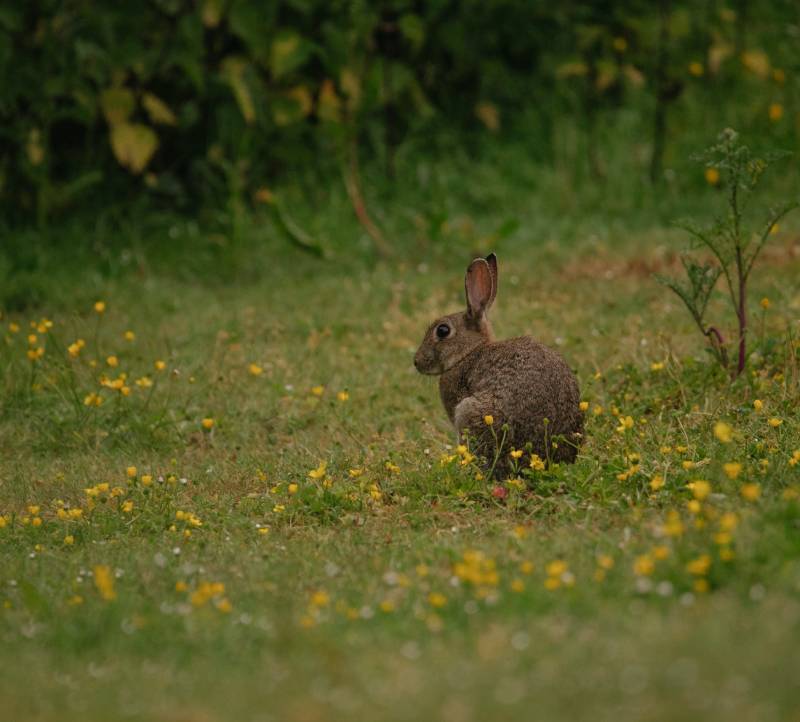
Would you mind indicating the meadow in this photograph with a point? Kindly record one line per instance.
(230, 496)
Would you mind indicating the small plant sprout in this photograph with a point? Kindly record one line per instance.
(733, 245)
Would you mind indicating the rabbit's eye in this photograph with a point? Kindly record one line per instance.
(442, 330)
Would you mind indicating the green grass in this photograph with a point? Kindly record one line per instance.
(409, 591)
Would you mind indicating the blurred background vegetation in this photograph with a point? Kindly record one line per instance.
(189, 133)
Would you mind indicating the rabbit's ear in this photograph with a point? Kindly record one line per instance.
(491, 259)
(478, 284)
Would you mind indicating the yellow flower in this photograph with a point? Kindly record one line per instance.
(355, 473)
(597, 410)
(129, 336)
(526, 567)
(319, 472)
(386, 606)
(263, 530)
(620, 44)
(488, 419)
(517, 585)
(699, 567)
(775, 112)
(732, 469)
(657, 366)
(100, 307)
(392, 468)
(758, 404)
(13, 327)
(436, 599)
(104, 581)
(556, 568)
(765, 303)
(584, 405)
(318, 390)
(264, 195)
(160, 365)
(207, 423)
(604, 561)
(292, 488)
(74, 349)
(775, 422)
(127, 507)
(750, 492)
(224, 606)
(625, 424)
(696, 69)
(643, 565)
(552, 583)
(723, 432)
(536, 463)
(255, 370)
(712, 176)
(661, 551)
(700, 489)
(516, 453)
(131, 472)
(728, 521)
(673, 526)
(112, 361)
(701, 586)
(343, 396)
(657, 482)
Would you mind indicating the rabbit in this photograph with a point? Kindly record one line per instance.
(518, 382)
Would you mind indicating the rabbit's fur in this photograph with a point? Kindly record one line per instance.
(518, 381)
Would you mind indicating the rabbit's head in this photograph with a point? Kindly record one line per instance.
(452, 338)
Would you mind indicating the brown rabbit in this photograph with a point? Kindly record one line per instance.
(518, 382)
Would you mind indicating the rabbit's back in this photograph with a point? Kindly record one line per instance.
(526, 385)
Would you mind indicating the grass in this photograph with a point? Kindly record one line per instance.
(311, 555)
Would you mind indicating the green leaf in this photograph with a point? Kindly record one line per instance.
(253, 23)
(288, 52)
(134, 145)
(211, 13)
(117, 105)
(329, 106)
(233, 70)
(158, 110)
(413, 29)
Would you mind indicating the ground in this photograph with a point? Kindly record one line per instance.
(265, 518)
